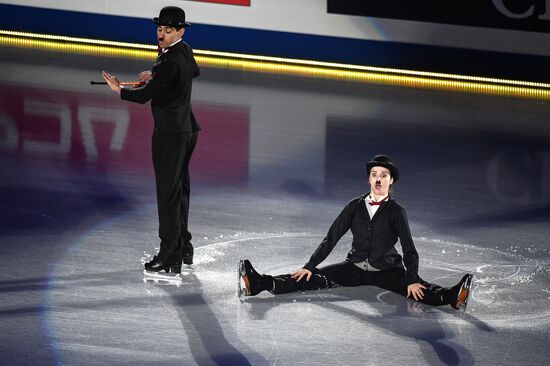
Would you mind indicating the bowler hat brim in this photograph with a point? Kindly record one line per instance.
(159, 21)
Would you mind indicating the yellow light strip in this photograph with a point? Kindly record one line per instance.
(80, 48)
(380, 78)
(368, 74)
(384, 70)
(76, 40)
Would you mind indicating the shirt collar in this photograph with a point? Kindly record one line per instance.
(164, 50)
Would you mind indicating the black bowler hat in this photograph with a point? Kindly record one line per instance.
(171, 16)
(386, 162)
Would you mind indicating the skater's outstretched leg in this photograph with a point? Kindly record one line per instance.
(254, 283)
(434, 295)
(333, 275)
(456, 296)
(285, 283)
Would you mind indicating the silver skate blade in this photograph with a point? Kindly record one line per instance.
(160, 278)
(467, 285)
(469, 282)
(240, 292)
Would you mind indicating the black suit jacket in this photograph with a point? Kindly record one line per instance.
(372, 239)
(169, 90)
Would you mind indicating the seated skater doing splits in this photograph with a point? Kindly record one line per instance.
(376, 221)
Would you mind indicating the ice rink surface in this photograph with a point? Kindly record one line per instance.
(277, 160)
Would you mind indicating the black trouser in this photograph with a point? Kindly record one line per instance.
(172, 152)
(348, 274)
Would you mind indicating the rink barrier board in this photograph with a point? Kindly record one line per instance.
(281, 44)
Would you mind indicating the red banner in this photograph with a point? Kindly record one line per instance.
(114, 135)
(229, 2)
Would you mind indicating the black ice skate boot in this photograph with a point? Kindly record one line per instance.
(188, 257)
(158, 265)
(254, 283)
(460, 293)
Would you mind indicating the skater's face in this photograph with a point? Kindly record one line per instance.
(380, 180)
(168, 35)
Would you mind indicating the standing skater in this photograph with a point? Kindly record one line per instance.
(168, 86)
(376, 221)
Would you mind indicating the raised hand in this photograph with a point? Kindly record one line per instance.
(112, 81)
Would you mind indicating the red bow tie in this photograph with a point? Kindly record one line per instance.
(374, 203)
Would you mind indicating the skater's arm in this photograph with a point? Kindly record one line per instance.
(161, 77)
(339, 227)
(410, 255)
(191, 62)
(196, 70)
